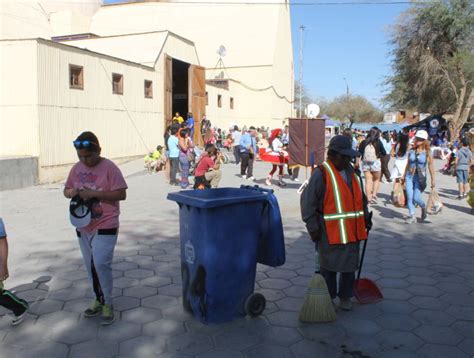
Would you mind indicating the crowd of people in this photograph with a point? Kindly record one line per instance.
(410, 152)
(181, 157)
(412, 164)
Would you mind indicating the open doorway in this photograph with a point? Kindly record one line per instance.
(180, 87)
(185, 91)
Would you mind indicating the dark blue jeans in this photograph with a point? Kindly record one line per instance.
(237, 154)
(346, 283)
(412, 184)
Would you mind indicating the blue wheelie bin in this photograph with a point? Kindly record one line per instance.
(221, 234)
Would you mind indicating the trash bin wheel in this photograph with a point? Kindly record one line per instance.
(255, 304)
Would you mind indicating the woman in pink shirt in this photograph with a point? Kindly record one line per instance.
(100, 183)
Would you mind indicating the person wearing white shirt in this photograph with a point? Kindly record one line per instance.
(236, 135)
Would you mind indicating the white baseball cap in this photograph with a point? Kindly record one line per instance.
(421, 134)
(79, 212)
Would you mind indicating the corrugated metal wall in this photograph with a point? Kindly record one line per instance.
(64, 112)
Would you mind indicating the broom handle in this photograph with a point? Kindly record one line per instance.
(363, 249)
(362, 259)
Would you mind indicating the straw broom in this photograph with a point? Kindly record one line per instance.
(317, 305)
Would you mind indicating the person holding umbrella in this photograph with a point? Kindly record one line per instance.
(334, 208)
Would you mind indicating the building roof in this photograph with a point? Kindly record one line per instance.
(68, 47)
(248, 32)
(142, 48)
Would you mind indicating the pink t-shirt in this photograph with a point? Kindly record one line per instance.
(105, 176)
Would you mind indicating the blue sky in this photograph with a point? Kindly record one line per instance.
(344, 41)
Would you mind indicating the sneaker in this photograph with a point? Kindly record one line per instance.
(268, 182)
(107, 315)
(251, 178)
(296, 179)
(410, 219)
(18, 319)
(95, 309)
(345, 304)
(423, 214)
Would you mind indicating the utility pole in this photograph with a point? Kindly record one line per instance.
(302, 28)
(347, 87)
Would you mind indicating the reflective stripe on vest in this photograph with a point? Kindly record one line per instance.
(351, 214)
(337, 197)
(340, 215)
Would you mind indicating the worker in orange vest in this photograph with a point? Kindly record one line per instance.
(334, 208)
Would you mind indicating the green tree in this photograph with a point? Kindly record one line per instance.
(353, 108)
(433, 60)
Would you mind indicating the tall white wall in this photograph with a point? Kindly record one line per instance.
(250, 107)
(69, 23)
(18, 99)
(259, 51)
(283, 70)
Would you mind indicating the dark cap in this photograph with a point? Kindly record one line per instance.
(252, 128)
(343, 145)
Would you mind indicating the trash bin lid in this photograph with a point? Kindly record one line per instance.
(212, 198)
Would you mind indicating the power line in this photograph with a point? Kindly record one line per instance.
(312, 3)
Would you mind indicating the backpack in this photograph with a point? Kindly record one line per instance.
(369, 153)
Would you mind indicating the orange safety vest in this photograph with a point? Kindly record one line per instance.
(343, 209)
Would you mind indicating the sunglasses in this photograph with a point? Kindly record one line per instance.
(84, 144)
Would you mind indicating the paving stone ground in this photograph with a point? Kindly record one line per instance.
(425, 271)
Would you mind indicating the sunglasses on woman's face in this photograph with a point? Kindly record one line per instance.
(84, 144)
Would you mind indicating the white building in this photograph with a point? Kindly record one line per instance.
(52, 91)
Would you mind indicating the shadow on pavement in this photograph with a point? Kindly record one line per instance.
(387, 212)
(451, 192)
(462, 209)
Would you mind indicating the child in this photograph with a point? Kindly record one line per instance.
(228, 142)
(98, 178)
(8, 300)
(154, 162)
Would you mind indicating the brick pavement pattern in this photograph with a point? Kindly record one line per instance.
(425, 271)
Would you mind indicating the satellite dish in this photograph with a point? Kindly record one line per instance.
(222, 51)
(312, 110)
